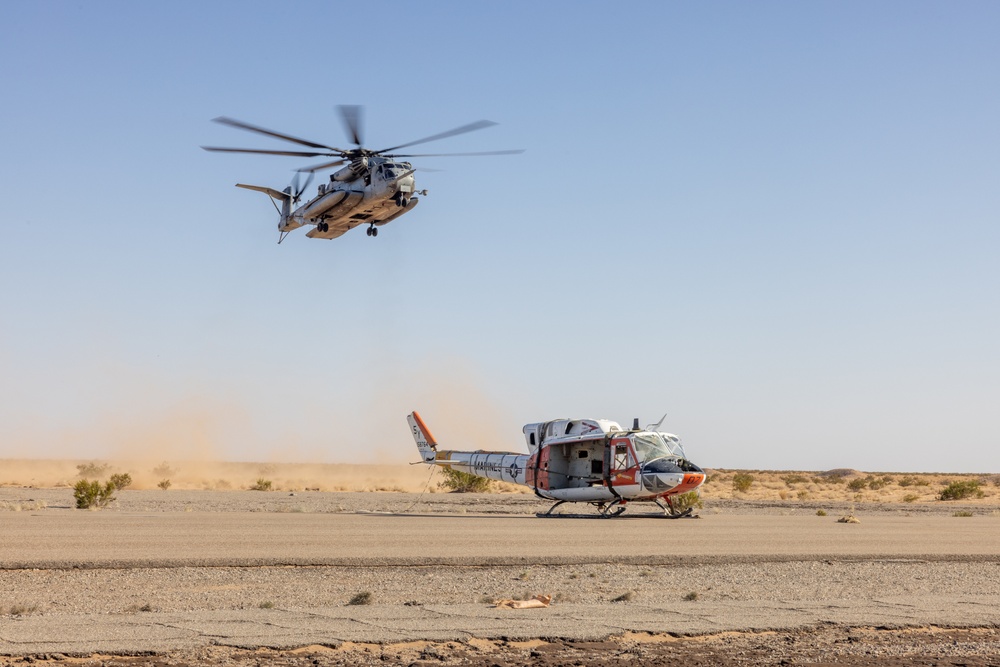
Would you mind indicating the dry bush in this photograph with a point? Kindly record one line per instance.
(90, 494)
(457, 481)
(857, 484)
(685, 501)
(794, 479)
(361, 599)
(910, 497)
(742, 482)
(120, 481)
(163, 470)
(92, 469)
(261, 485)
(164, 484)
(961, 490)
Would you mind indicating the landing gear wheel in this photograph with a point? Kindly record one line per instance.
(323, 227)
(374, 231)
(368, 231)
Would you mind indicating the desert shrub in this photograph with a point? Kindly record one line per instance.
(857, 484)
(164, 484)
(803, 495)
(962, 513)
(457, 481)
(794, 479)
(266, 604)
(910, 497)
(261, 485)
(627, 596)
(120, 480)
(91, 494)
(24, 609)
(742, 481)
(907, 481)
(163, 470)
(684, 501)
(878, 483)
(692, 596)
(91, 469)
(820, 512)
(923, 482)
(361, 598)
(960, 490)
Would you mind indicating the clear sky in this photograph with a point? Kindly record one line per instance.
(779, 222)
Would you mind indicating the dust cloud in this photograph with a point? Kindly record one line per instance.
(356, 441)
(218, 475)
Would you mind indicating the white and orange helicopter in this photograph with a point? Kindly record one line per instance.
(591, 461)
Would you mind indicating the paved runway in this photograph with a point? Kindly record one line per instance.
(106, 539)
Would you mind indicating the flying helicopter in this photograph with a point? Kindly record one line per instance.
(591, 461)
(373, 187)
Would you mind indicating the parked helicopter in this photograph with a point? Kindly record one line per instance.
(374, 188)
(591, 461)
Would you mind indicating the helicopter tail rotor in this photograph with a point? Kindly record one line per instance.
(296, 190)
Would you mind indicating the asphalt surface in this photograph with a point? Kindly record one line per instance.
(53, 539)
(78, 540)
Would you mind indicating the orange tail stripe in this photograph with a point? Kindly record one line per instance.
(423, 427)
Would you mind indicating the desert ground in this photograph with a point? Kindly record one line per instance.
(358, 565)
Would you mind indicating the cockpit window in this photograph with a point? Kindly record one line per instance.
(649, 446)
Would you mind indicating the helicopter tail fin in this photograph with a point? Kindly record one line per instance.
(426, 444)
(285, 196)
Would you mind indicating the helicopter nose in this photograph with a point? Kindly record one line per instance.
(661, 482)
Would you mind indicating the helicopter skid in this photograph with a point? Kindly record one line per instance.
(686, 514)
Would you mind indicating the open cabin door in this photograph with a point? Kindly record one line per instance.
(536, 475)
(620, 466)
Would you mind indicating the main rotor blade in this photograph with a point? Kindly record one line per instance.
(512, 152)
(325, 165)
(350, 114)
(217, 149)
(232, 122)
(471, 127)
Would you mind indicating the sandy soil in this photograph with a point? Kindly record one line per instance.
(826, 646)
(795, 486)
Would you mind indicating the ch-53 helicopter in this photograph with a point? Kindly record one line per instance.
(591, 461)
(374, 187)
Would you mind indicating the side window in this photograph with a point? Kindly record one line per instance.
(621, 457)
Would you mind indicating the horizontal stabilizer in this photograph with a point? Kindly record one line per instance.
(270, 192)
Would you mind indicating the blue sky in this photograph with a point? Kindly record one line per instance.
(776, 221)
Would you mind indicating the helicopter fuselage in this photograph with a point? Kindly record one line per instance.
(580, 460)
(382, 192)
(374, 187)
